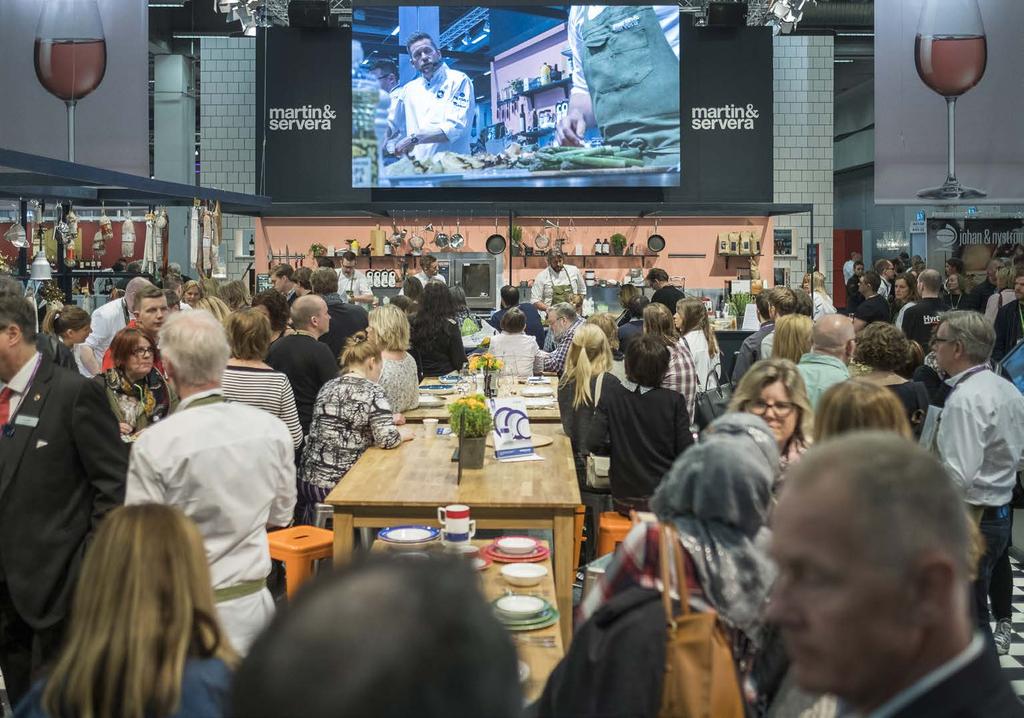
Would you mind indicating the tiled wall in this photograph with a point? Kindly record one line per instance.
(227, 108)
(803, 144)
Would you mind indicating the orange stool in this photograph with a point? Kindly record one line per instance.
(612, 530)
(577, 524)
(299, 547)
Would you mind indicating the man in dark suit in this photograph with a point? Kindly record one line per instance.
(509, 299)
(872, 540)
(346, 319)
(62, 468)
(1010, 321)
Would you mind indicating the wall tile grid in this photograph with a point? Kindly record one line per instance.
(803, 144)
(227, 107)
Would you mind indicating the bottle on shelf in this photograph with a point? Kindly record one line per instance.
(597, 246)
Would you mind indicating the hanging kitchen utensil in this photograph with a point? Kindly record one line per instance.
(457, 240)
(542, 241)
(405, 226)
(15, 234)
(440, 238)
(655, 243)
(396, 236)
(495, 244)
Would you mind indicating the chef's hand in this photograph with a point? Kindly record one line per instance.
(403, 147)
(571, 128)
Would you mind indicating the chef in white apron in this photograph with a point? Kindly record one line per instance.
(558, 282)
(438, 106)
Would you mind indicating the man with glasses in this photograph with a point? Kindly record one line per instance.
(1010, 321)
(150, 312)
(353, 286)
(563, 322)
(979, 438)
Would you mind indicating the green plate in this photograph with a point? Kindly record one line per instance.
(550, 621)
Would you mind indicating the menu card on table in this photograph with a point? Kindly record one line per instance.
(512, 436)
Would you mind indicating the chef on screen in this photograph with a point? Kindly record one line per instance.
(625, 78)
(436, 108)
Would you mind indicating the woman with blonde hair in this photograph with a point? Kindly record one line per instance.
(210, 287)
(351, 414)
(215, 306)
(144, 640)
(389, 327)
(607, 323)
(1004, 292)
(250, 380)
(857, 405)
(681, 376)
(774, 390)
(627, 293)
(819, 296)
(191, 293)
(691, 319)
(792, 337)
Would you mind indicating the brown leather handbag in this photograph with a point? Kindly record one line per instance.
(700, 675)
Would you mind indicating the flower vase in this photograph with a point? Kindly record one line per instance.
(491, 384)
(473, 451)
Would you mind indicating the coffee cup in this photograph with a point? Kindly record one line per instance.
(456, 524)
(429, 428)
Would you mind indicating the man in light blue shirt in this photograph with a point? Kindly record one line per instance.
(832, 346)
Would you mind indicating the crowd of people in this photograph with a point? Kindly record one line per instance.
(148, 449)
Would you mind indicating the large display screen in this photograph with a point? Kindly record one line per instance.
(541, 96)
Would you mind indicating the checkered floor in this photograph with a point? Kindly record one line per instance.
(1013, 664)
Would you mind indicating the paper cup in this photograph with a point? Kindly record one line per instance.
(429, 429)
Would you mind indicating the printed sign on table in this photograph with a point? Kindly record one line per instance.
(512, 435)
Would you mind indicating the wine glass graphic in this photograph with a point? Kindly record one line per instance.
(70, 54)
(951, 52)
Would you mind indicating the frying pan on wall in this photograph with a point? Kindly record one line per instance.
(655, 242)
(495, 244)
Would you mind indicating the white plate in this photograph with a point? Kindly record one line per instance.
(519, 607)
(540, 403)
(427, 400)
(537, 391)
(514, 545)
(523, 574)
(409, 534)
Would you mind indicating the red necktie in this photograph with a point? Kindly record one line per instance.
(5, 404)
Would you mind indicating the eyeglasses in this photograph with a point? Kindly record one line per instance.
(941, 340)
(782, 409)
(143, 352)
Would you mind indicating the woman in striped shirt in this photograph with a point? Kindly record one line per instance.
(248, 380)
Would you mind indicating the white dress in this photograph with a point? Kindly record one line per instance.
(702, 359)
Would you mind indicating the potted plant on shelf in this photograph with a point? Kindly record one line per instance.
(490, 365)
(470, 418)
(618, 243)
(515, 237)
(317, 250)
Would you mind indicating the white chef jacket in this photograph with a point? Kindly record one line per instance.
(230, 468)
(668, 18)
(107, 321)
(980, 439)
(544, 284)
(396, 112)
(447, 102)
(357, 284)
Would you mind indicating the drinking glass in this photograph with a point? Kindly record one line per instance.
(70, 54)
(950, 52)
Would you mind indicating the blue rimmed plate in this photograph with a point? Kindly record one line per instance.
(409, 535)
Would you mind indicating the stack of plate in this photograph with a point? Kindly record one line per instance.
(537, 391)
(524, 613)
(515, 549)
(437, 389)
(409, 537)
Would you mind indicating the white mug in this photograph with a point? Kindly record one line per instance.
(457, 526)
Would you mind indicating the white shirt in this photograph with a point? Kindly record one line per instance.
(997, 301)
(107, 321)
(396, 114)
(980, 440)
(702, 359)
(446, 102)
(231, 469)
(847, 270)
(520, 353)
(822, 305)
(19, 383)
(885, 288)
(358, 284)
(668, 18)
(545, 283)
(902, 313)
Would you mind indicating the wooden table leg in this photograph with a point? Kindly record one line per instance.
(564, 572)
(343, 527)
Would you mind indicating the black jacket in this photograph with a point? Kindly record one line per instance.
(750, 351)
(977, 298)
(346, 320)
(1008, 330)
(308, 364)
(442, 353)
(978, 690)
(57, 480)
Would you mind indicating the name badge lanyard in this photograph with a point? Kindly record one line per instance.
(8, 428)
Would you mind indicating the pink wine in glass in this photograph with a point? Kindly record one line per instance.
(950, 64)
(70, 69)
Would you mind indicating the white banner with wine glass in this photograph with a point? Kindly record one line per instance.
(74, 81)
(949, 101)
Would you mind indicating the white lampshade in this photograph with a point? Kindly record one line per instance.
(41, 271)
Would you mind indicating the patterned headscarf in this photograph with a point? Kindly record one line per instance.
(718, 494)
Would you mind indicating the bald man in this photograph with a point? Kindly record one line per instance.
(832, 346)
(107, 321)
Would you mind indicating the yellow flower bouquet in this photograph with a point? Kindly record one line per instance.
(485, 362)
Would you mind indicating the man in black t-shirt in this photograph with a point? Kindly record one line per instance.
(664, 293)
(920, 320)
(874, 308)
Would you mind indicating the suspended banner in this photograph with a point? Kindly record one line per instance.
(975, 241)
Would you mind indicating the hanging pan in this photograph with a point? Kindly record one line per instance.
(655, 242)
(495, 244)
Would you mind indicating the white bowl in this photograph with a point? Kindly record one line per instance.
(520, 607)
(516, 545)
(523, 574)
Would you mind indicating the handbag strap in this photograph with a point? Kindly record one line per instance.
(671, 550)
(597, 389)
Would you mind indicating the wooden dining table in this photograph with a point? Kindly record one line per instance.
(540, 649)
(406, 485)
(542, 415)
